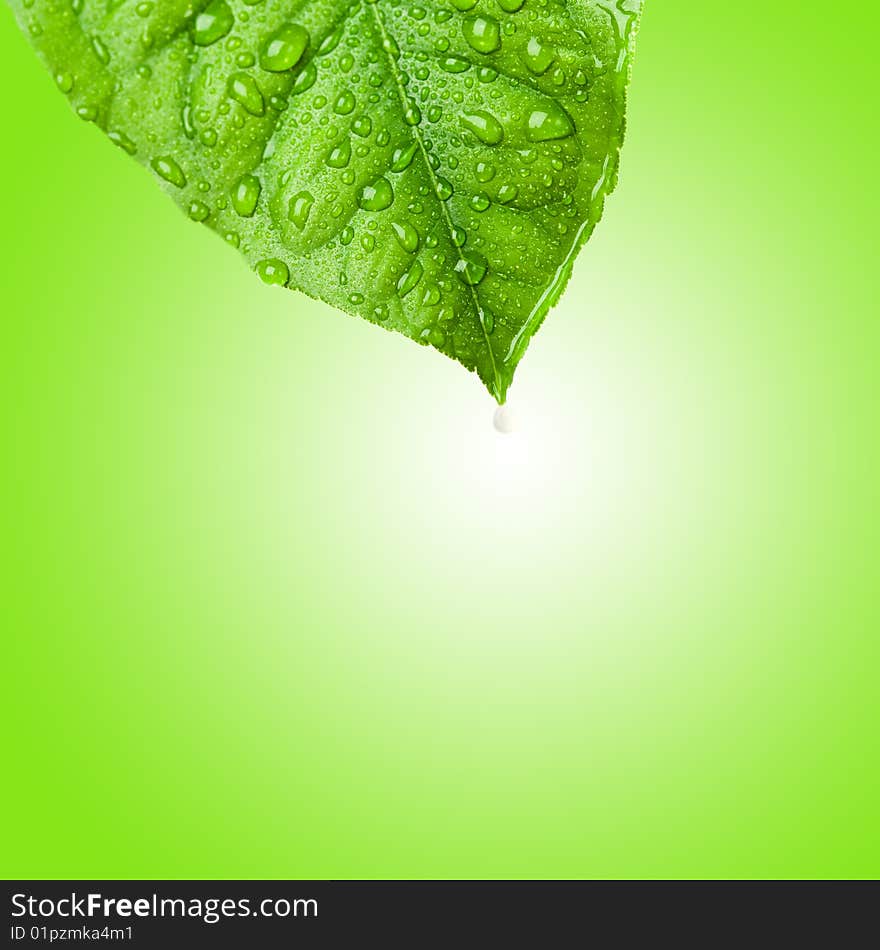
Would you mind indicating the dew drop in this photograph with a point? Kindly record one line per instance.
(402, 158)
(484, 125)
(484, 172)
(101, 50)
(213, 23)
(340, 155)
(454, 64)
(273, 271)
(299, 208)
(284, 48)
(407, 236)
(444, 189)
(123, 141)
(166, 167)
(549, 122)
(413, 114)
(198, 210)
(378, 196)
(244, 89)
(507, 193)
(246, 194)
(329, 43)
(408, 281)
(480, 202)
(64, 81)
(471, 268)
(306, 79)
(433, 336)
(537, 56)
(345, 103)
(482, 33)
(362, 126)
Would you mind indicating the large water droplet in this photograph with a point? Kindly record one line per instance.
(410, 279)
(340, 155)
(480, 201)
(362, 126)
(246, 194)
(284, 48)
(482, 33)
(549, 122)
(123, 141)
(484, 125)
(433, 336)
(402, 158)
(244, 89)
(65, 81)
(166, 167)
(413, 114)
(471, 268)
(507, 193)
(273, 271)
(444, 189)
(537, 56)
(454, 64)
(484, 172)
(101, 51)
(330, 42)
(198, 210)
(213, 23)
(378, 196)
(406, 235)
(299, 208)
(345, 103)
(306, 79)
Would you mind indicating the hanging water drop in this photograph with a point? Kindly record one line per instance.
(504, 420)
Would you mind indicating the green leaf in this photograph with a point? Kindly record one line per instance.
(432, 166)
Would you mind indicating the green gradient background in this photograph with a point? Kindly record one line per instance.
(279, 602)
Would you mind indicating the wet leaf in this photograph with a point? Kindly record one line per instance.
(433, 167)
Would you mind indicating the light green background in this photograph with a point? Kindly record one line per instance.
(280, 602)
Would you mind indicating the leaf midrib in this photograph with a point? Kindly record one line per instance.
(417, 136)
